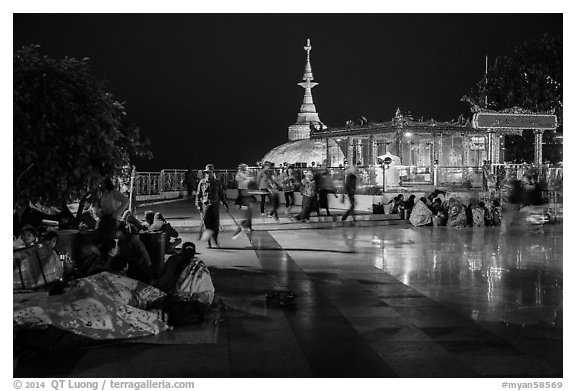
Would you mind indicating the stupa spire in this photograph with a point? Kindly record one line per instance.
(307, 117)
(308, 68)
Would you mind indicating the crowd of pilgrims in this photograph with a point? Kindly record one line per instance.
(516, 197)
(438, 210)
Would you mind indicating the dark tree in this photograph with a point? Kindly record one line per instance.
(530, 78)
(69, 131)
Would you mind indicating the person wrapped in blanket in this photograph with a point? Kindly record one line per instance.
(101, 307)
(456, 214)
(475, 214)
(421, 215)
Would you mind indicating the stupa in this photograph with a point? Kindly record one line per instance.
(300, 149)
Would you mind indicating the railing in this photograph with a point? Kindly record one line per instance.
(370, 179)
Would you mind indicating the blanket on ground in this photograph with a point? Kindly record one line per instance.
(103, 306)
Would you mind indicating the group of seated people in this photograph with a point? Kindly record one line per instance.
(436, 209)
(115, 251)
(114, 273)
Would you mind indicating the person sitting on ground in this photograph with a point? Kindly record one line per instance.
(478, 215)
(188, 284)
(118, 266)
(421, 214)
(133, 224)
(130, 247)
(488, 215)
(88, 218)
(173, 268)
(456, 214)
(496, 210)
(399, 205)
(28, 236)
(49, 240)
(148, 219)
(25, 215)
(171, 235)
(409, 205)
(437, 193)
(469, 218)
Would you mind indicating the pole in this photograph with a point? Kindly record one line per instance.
(132, 175)
(486, 84)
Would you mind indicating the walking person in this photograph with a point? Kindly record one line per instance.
(190, 182)
(308, 190)
(244, 198)
(273, 188)
(242, 180)
(262, 186)
(325, 187)
(289, 186)
(209, 195)
(350, 189)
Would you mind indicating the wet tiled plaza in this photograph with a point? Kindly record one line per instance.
(379, 301)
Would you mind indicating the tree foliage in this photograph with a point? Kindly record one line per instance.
(530, 78)
(69, 132)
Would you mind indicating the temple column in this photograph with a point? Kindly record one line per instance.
(496, 142)
(399, 144)
(350, 150)
(371, 152)
(328, 154)
(465, 149)
(440, 149)
(489, 143)
(538, 146)
(432, 151)
(358, 147)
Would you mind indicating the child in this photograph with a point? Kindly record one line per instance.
(29, 235)
(49, 240)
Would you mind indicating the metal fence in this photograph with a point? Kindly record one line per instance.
(370, 180)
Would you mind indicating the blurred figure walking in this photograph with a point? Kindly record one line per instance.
(273, 188)
(289, 181)
(308, 190)
(263, 187)
(350, 189)
(190, 182)
(244, 198)
(242, 179)
(325, 187)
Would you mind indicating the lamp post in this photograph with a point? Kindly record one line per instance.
(385, 165)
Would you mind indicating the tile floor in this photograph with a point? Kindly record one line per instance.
(382, 301)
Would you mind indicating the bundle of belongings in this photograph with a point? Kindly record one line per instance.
(106, 306)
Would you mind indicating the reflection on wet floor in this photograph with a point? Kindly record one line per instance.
(499, 296)
(486, 276)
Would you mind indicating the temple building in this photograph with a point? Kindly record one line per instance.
(420, 151)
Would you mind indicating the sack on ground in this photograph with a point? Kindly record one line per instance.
(195, 282)
(35, 267)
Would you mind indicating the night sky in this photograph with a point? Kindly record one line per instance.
(222, 88)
